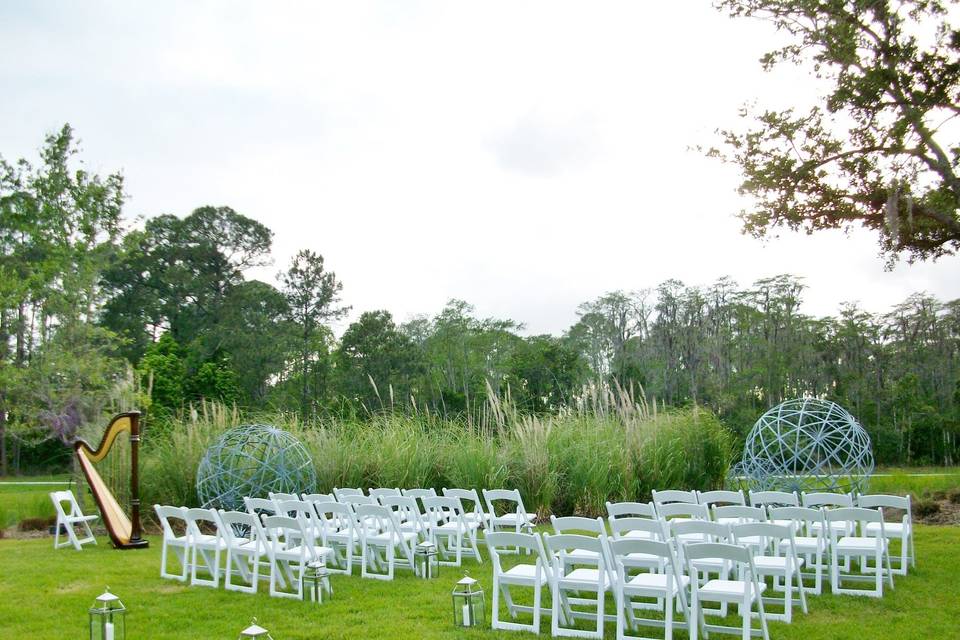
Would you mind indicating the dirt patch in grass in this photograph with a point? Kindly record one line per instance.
(942, 511)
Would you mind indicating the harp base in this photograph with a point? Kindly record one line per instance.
(133, 544)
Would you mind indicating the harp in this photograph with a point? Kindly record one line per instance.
(125, 531)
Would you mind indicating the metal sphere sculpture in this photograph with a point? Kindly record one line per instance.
(807, 445)
(253, 460)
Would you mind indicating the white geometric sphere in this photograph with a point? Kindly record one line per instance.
(808, 444)
(253, 460)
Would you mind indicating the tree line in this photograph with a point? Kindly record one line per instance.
(96, 313)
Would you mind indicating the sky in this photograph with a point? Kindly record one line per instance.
(522, 156)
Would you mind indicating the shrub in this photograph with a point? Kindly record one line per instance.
(954, 496)
(36, 524)
(571, 462)
(926, 508)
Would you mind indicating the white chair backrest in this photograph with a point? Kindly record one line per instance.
(419, 493)
(767, 534)
(825, 499)
(406, 509)
(287, 533)
(167, 513)
(774, 498)
(318, 498)
(507, 542)
(512, 498)
(383, 492)
(341, 494)
(853, 516)
(674, 495)
(705, 530)
(874, 500)
(564, 547)
(335, 517)
(683, 510)
(240, 527)
(631, 510)
(710, 498)
(199, 520)
(358, 500)
(740, 513)
(260, 506)
(620, 527)
(61, 497)
(442, 509)
(740, 554)
(374, 518)
(809, 521)
(470, 500)
(633, 553)
(282, 497)
(571, 524)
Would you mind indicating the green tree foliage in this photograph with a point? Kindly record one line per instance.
(877, 150)
(313, 296)
(163, 374)
(377, 365)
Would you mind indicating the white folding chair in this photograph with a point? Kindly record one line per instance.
(282, 497)
(685, 532)
(826, 501)
(810, 540)
(69, 518)
(384, 492)
(450, 530)
(290, 549)
(590, 573)
(472, 507)
(666, 584)
(247, 549)
(712, 498)
(640, 529)
(744, 591)
(338, 533)
(342, 494)
(902, 531)
(179, 543)
(513, 518)
(353, 499)
(848, 546)
(205, 547)
(305, 513)
(738, 514)
(778, 559)
(534, 576)
(318, 498)
(674, 495)
(408, 515)
(260, 506)
(681, 511)
(632, 511)
(380, 534)
(773, 499)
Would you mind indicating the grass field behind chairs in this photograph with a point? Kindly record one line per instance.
(44, 595)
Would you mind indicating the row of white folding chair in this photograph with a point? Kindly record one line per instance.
(572, 565)
(246, 540)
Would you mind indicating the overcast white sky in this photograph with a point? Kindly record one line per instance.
(525, 157)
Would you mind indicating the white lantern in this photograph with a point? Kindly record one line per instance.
(255, 631)
(426, 561)
(315, 583)
(106, 618)
(468, 603)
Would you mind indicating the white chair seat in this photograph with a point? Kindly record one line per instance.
(656, 581)
(684, 538)
(894, 529)
(453, 528)
(639, 534)
(295, 553)
(588, 578)
(389, 538)
(526, 573)
(776, 563)
(727, 589)
(859, 544)
(511, 519)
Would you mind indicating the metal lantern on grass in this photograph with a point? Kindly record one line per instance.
(255, 631)
(106, 618)
(315, 583)
(468, 603)
(426, 560)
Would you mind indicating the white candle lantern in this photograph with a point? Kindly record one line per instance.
(426, 560)
(315, 583)
(106, 618)
(255, 631)
(468, 603)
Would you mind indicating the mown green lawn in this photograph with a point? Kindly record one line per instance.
(44, 594)
(19, 500)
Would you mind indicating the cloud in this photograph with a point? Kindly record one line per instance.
(536, 147)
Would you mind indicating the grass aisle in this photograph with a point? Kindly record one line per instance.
(45, 595)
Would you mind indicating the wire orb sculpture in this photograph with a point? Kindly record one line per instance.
(253, 460)
(807, 444)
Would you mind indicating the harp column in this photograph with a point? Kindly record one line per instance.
(136, 529)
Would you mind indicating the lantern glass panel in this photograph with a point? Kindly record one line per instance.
(426, 560)
(469, 609)
(107, 618)
(315, 583)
